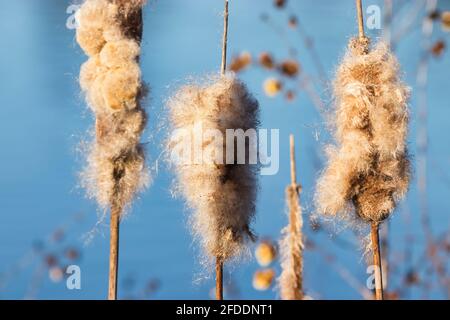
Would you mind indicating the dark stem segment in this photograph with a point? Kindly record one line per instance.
(219, 279)
(225, 39)
(377, 261)
(113, 253)
(360, 19)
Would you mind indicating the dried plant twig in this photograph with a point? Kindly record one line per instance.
(377, 261)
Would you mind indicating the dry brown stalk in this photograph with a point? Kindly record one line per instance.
(377, 261)
(219, 279)
(113, 254)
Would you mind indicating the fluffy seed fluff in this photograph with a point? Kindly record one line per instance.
(368, 170)
(291, 245)
(111, 81)
(221, 196)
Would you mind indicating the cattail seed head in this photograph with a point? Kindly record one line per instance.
(369, 168)
(111, 81)
(221, 196)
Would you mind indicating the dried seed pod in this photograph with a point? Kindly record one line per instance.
(119, 53)
(369, 168)
(111, 81)
(221, 195)
(240, 62)
(290, 281)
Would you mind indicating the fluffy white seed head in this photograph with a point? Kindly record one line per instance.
(111, 81)
(291, 279)
(221, 196)
(368, 170)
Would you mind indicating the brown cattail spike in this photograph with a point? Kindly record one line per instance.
(291, 278)
(377, 261)
(221, 195)
(223, 68)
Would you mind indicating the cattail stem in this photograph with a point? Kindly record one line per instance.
(113, 253)
(360, 19)
(219, 279)
(377, 261)
(225, 39)
(219, 263)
